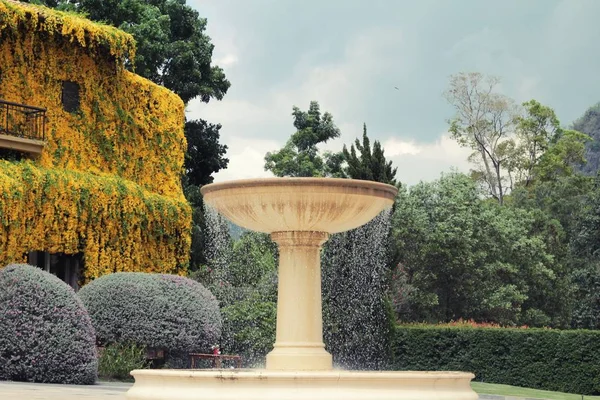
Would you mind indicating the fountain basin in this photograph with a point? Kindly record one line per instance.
(299, 204)
(299, 385)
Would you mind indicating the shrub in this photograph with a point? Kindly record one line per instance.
(249, 329)
(565, 361)
(45, 332)
(117, 360)
(153, 310)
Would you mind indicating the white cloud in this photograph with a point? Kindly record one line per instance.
(260, 122)
(227, 60)
(246, 159)
(425, 161)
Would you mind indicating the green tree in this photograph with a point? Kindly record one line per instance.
(484, 122)
(300, 156)
(205, 155)
(585, 246)
(536, 130)
(370, 165)
(462, 257)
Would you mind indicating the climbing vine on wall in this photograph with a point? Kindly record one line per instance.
(117, 224)
(126, 125)
(108, 180)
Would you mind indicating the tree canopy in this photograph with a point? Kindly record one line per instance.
(300, 156)
(173, 49)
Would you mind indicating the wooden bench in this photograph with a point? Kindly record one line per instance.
(217, 359)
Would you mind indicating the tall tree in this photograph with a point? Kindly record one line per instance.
(300, 155)
(536, 130)
(544, 151)
(370, 165)
(205, 155)
(484, 122)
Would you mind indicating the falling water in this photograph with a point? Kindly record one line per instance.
(217, 246)
(356, 323)
(354, 274)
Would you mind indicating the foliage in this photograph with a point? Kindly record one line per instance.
(154, 310)
(566, 361)
(73, 28)
(300, 156)
(484, 121)
(535, 132)
(586, 253)
(45, 332)
(254, 256)
(204, 153)
(126, 125)
(117, 360)
(173, 50)
(589, 123)
(464, 258)
(249, 329)
(118, 225)
(370, 166)
(198, 240)
(563, 157)
(512, 146)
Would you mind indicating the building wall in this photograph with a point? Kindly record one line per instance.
(108, 181)
(126, 125)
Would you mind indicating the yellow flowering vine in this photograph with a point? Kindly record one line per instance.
(108, 181)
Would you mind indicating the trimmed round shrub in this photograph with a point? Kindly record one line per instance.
(45, 332)
(154, 310)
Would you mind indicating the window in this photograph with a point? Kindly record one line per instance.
(70, 96)
(65, 266)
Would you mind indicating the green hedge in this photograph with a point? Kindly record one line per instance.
(565, 361)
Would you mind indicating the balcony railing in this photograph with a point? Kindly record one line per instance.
(22, 127)
(23, 121)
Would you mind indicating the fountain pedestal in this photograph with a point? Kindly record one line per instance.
(299, 213)
(299, 339)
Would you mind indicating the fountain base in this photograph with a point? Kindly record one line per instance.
(299, 385)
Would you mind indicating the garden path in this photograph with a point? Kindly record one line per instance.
(45, 391)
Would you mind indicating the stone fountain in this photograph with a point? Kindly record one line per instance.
(300, 214)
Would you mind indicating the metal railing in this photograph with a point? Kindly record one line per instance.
(23, 121)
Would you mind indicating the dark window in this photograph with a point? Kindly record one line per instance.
(70, 96)
(67, 267)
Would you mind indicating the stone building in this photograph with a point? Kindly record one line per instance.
(91, 154)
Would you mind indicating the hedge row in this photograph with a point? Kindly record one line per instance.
(565, 361)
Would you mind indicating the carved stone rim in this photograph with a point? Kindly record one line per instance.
(387, 191)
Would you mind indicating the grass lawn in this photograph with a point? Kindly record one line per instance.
(506, 390)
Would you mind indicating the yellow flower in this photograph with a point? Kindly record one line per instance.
(108, 181)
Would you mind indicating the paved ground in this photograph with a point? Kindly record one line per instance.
(100, 391)
(41, 391)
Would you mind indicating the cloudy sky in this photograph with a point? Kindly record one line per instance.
(349, 55)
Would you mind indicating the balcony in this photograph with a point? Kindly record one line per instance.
(22, 128)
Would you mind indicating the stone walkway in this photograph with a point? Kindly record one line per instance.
(46, 391)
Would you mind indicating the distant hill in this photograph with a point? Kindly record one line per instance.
(589, 124)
